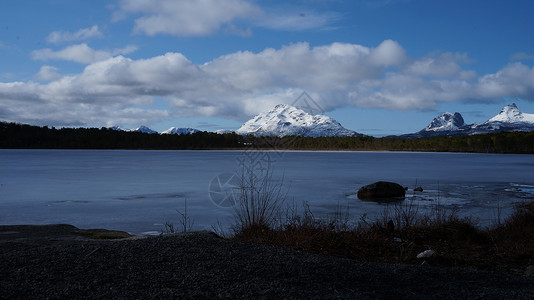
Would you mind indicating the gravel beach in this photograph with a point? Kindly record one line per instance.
(55, 262)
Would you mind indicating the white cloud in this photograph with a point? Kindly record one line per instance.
(401, 91)
(388, 53)
(205, 17)
(38, 104)
(80, 53)
(241, 84)
(514, 80)
(48, 73)
(443, 65)
(57, 37)
(186, 17)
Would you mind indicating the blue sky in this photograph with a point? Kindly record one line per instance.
(378, 67)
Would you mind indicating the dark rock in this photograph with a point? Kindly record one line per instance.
(381, 190)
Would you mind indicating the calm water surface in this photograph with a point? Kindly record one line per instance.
(138, 191)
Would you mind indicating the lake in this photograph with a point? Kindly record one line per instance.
(139, 190)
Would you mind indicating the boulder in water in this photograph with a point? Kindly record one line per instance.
(381, 190)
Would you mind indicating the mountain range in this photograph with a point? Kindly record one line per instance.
(175, 130)
(510, 118)
(284, 120)
(144, 129)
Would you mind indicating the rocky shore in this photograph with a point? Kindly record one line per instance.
(60, 262)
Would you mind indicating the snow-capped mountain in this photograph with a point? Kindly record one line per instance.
(511, 114)
(509, 119)
(175, 130)
(285, 120)
(118, 128)
(446, 122)
(144, 129)
(223, 131)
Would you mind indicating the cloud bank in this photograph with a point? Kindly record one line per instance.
(119, 90)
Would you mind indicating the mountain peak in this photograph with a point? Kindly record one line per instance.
(511, 114)
(144, 129)
(285, 120)
(178, 131)
(282, 106)
(446, 122)
(117, 128)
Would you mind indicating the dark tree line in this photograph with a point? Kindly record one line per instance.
(33, 137)
(504, 142)
(14, 135)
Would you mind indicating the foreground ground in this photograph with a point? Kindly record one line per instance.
(50, 262)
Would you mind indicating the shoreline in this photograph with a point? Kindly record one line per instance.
(55, 264)
(267, 150)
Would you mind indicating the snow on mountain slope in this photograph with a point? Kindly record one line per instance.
(285, 120)
(118, 128)
(442, 125)
(144, 129)
(446, 122)
(175, 130)
(511, 114)
(509, 119)
(223, 131)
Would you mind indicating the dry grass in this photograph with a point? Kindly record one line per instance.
(259, 200)
(402, 232)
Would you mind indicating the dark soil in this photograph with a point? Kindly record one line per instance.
(56, 262)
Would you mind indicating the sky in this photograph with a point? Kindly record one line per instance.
(379, 67)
